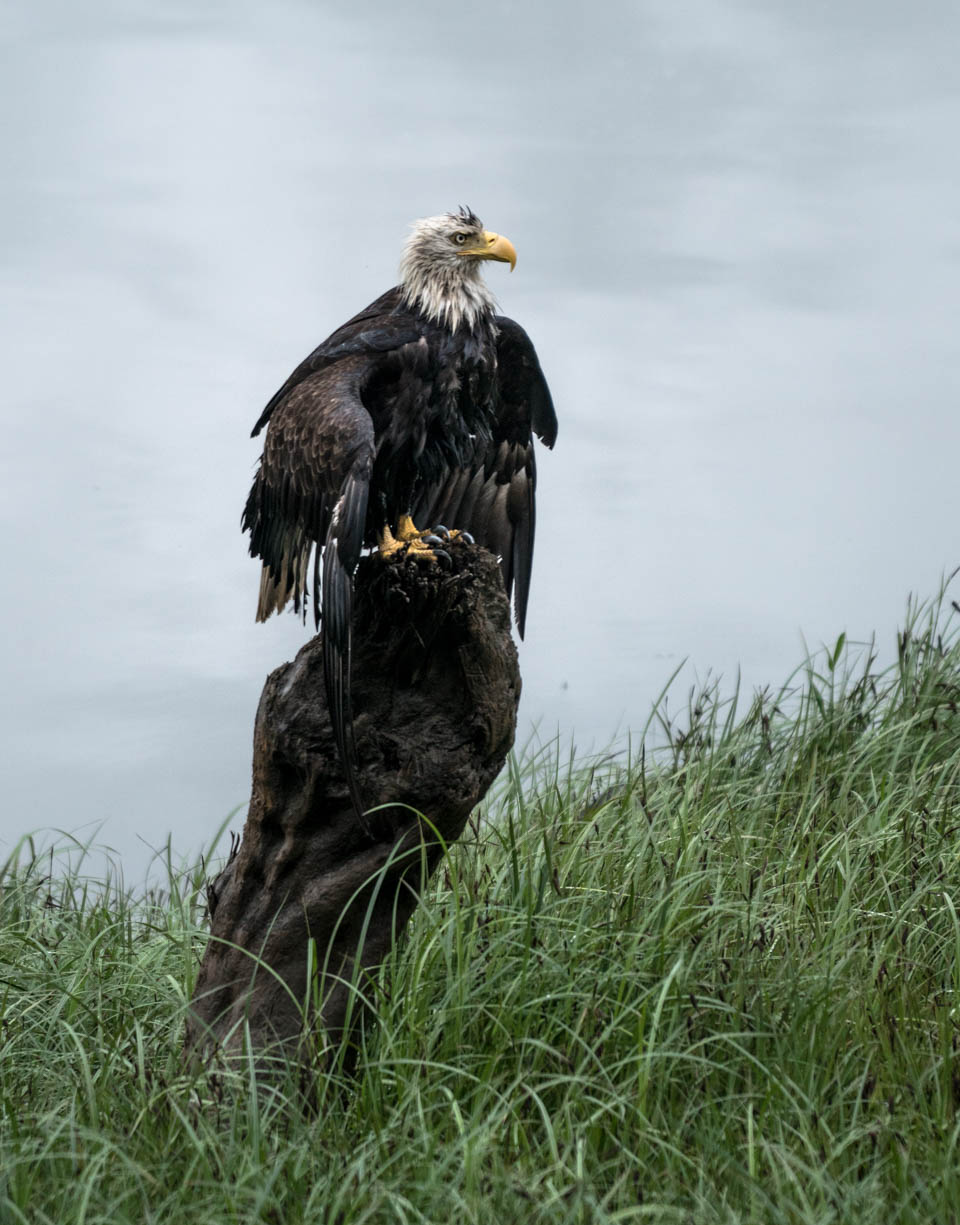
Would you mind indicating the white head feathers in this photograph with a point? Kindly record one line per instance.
(440, 269)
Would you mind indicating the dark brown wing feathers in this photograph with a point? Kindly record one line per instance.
(491, 495)
(311, 491)
(317, 435)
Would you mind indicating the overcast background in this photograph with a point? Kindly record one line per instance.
(737, 227)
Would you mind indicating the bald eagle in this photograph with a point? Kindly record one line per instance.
(421, 409)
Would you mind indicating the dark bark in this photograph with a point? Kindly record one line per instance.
(435, 692)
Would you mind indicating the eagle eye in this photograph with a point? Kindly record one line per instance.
(459, 238)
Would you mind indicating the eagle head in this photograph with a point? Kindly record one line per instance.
(440, 268)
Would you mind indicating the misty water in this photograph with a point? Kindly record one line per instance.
(737, 227)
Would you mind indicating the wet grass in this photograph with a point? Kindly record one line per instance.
(716, 984)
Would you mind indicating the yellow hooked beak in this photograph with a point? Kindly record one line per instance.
(493, 246)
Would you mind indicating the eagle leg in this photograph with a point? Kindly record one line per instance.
(407, 530)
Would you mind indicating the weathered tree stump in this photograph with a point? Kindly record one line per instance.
(435, 692)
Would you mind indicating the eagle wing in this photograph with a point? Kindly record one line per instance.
(311, 490)
(491, 493)
(317, 421)
(320, 438)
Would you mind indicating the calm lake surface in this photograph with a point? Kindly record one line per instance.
(738, 228)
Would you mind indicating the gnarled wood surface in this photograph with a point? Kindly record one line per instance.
(435, 692)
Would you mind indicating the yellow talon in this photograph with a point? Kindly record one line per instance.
(409, 539)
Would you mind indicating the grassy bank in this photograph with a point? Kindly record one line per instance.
(718, 984)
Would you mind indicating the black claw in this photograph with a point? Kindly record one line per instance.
(446, 535)
(443, 557)
(433, 540)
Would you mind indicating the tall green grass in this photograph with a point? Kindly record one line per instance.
(714, 983)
